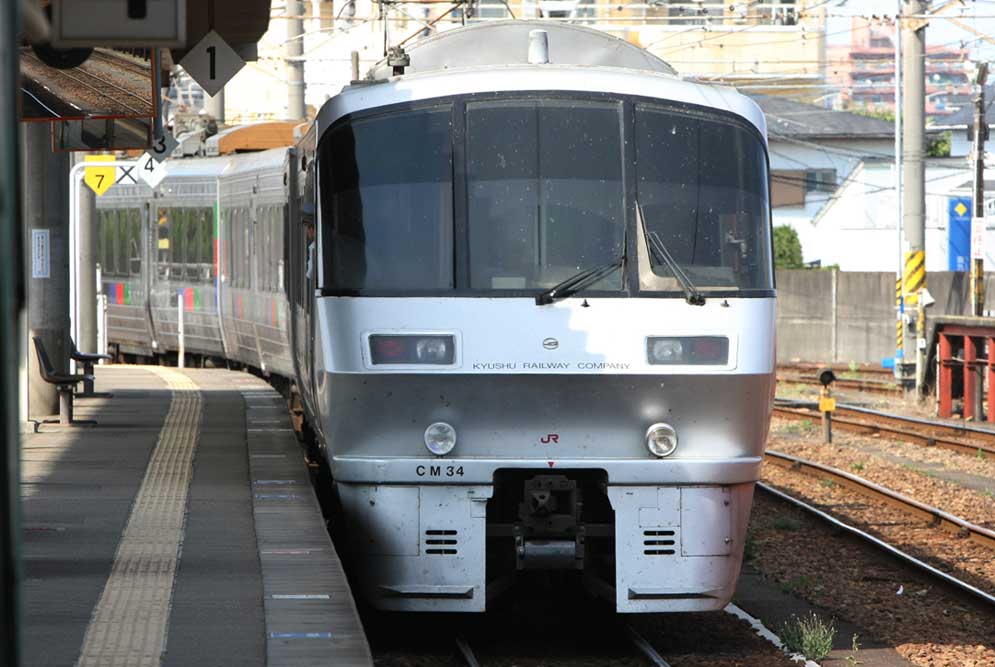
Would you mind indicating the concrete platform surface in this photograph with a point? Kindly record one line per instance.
(181, 529)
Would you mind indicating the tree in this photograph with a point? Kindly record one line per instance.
(787, 248)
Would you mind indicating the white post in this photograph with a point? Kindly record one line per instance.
(179, 328)
(102, 325)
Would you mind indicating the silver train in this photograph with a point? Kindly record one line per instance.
(522, 284)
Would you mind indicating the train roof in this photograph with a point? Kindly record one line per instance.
(581, 60)
(506, 43)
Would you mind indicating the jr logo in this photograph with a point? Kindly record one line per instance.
(552, 437)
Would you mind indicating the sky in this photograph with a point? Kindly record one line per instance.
(939, 31)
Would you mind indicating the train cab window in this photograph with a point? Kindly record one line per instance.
(702, 186)
(545, 197)
(387, 224)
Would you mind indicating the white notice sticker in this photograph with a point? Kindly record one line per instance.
(978, 238)
(41, 261)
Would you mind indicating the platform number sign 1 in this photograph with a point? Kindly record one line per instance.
(212, 63)
(151, 170)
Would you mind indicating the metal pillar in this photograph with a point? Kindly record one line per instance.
(87, 244)
(913, 169)
(215, 106)
(11, 351)
(45, 194)
(295, 60)
(980, 134)
(899, 300)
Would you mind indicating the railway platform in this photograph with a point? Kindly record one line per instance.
(181, 529)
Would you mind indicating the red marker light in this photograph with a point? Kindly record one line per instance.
(390, 347)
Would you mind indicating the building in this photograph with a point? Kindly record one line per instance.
(863, 72)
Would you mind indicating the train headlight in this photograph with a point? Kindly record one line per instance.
(687, 350)
(666, 350)
(432, 350)
(424, 349)
(440, 438)
(661, 440)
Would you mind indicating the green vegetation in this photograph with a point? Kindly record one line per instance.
(852, 660)
(750, 546)
(809, 635)
(828, 483)
(857, 467)
(799, 582)
(938, 146)
(785, 522)
(787, 248)
(981, 454)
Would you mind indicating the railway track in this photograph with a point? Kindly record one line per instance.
(935, 516)
(857, 384)
(127, 100)
(122, 60)
(958, 438)
(637, 641)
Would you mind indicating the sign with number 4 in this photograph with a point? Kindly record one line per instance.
(162, 147)
(212, 63)
(151, 170)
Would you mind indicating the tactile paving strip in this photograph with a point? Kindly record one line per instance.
(128, 625)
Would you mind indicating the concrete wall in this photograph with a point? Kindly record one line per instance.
(843, 316)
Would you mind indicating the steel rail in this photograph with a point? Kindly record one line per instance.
(104, 92)
(123, 61)
(937, 517)
(876, 386)
(645, 647)
(909, 559)
(908, 429)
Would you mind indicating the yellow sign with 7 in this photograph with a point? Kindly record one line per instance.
(100, 179)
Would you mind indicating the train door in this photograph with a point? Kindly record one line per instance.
(301, 253)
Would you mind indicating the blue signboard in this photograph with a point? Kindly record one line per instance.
(959, 233)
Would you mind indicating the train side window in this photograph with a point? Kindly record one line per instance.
(134, 245)
(121, 242)
(207, 243)
(246, 248)
(106, 228)
(192, 244)
(163, 250)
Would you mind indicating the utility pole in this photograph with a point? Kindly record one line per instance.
(914, 173)
(978, 223)
(899, 296)
(295, 60)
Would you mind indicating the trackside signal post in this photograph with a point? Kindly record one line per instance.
(978, 222)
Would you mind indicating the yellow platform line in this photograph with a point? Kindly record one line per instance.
(128, 625)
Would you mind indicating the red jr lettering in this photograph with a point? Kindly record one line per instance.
(552, 437)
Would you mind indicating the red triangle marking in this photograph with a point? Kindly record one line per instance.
(551, 464)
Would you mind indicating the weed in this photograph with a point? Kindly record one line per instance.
(828, 483)
(807, 424)
(809, 635)
(988, 493)
(857, 467)
(750, 546)
(981, 454)
(785, 522)
(852, 660)
(799, 582)
(852, 366)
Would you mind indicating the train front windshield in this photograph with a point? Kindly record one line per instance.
(511, 196)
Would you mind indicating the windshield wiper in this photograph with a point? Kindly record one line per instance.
(577, 282)
(657, 248)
